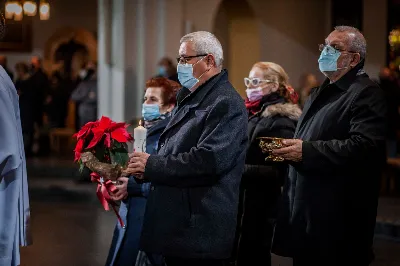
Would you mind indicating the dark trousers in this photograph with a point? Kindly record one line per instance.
(173, 261)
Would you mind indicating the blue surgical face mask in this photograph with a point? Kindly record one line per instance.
(185, 75)
(150, 111)
(328, 60)
(162, 71)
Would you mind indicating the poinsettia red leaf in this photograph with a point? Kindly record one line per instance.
(119, 135)
(107, 140)
(115, 126)
(104, 122)
(97, 135)
(78, 149)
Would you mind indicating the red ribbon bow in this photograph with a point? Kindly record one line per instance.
(104, 187)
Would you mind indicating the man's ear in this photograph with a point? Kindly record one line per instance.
(356, 59)
(211, 60)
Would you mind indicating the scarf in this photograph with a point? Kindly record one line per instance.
(149, 124)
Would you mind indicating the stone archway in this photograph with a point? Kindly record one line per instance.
(63, 36)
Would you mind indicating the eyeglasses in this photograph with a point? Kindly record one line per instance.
(255, 81)
(333, 49)
(185, 59)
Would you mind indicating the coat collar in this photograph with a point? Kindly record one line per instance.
(193, 99)
(344, 82)
(158, 126)
(198, 95)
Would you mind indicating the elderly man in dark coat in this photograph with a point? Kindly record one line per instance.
(192, 207)
(336, 161)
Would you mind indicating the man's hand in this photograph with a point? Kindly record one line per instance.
(137, 164)
(292, 150)
(122, 192)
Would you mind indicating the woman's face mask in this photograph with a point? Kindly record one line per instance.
(254, 94)
(150, 111)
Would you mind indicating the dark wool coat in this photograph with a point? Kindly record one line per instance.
(262, 180)
(331, 198)
(192, 206)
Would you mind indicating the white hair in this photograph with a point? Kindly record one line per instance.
(357, 42)
(205, 42)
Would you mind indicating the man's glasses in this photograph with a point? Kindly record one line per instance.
(255, 81)
(332, 49)
(185, 59)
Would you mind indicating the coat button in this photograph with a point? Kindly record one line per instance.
(162, 145)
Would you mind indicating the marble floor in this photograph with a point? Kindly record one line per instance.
(71, 229)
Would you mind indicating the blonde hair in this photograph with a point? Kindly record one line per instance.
(278, 75)
(273, 72)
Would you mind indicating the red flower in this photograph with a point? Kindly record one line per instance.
(112, 130)
(81, 137)
(85, 130)
(104, 127)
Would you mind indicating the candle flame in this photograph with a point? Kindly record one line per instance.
(140, 123)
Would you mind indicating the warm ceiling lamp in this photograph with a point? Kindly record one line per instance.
(30, 8)
(44, 10)
(11, 6)
(18, 12)
(16, 9)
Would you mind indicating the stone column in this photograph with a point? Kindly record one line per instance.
(122, 49)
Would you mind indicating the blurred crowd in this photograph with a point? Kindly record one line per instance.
(44, 99)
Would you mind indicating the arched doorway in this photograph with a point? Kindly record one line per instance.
(64, 43)
(69, 48)
(237, 27)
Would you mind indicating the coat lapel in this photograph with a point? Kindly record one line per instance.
(193, 100)
(308, 107)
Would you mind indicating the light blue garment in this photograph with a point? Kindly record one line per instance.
(150, 111)
(185, 75)
(328, 59)
(14, 200)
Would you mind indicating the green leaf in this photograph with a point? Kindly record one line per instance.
(81, 166)
(119, 153)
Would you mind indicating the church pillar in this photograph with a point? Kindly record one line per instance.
(122, 31)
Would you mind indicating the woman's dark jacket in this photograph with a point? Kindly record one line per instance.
(262, 180)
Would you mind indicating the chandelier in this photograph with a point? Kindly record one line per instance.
(16, 9)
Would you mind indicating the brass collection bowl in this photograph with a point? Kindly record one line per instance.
(268, 144)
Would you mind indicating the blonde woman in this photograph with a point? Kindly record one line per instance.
(273, 112)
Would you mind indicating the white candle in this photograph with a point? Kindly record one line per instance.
(139, 135)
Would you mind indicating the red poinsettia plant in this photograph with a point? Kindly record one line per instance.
(106, 139)
(106, 143)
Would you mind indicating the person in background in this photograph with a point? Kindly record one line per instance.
(336, 160)
(57, 101)
(26, 92)
(273, 112)
(14, 197)
(86, 96)
(159, 101)
(3, 63)
(389, 83)
(307, 83)
(41, 87)
(167, 69)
